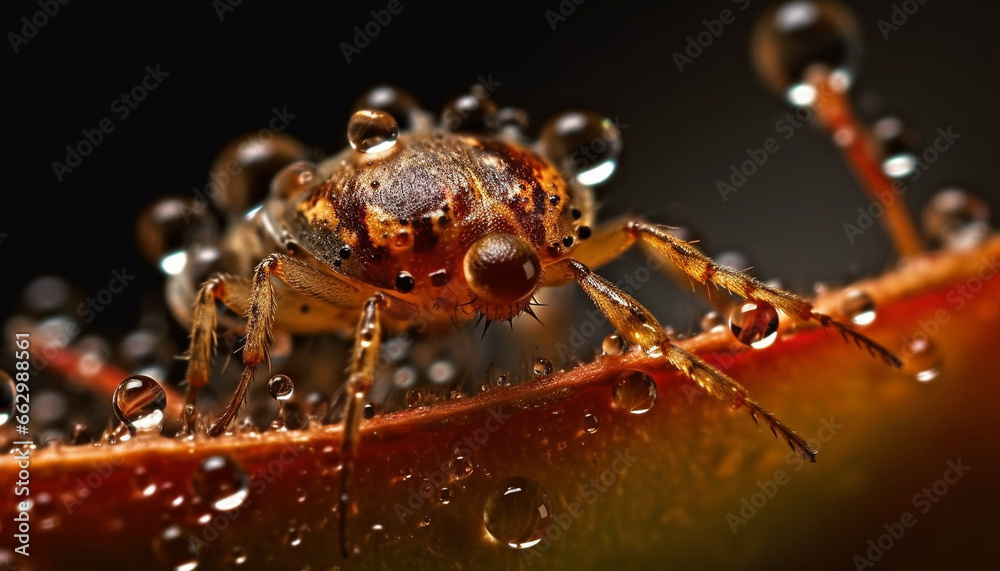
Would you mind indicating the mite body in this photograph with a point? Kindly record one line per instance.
(428, 229)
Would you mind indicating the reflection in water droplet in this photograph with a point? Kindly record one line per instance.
(404, 377)
(281, 388)
(7, 392)
(956, 219)
(518, 512)
(501, 381)
(754, 323)
(239, 555)
(635, 392)
(897, 144)
(542, 367)
(590, 423)
(441, 372)
(614, 345)
(922, 359)
(177, 549)
(583, 144)
(791, 38)
(858, 306)
(139, 402)
(221, 482)
(372, 131)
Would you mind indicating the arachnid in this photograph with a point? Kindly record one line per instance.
(430, 227)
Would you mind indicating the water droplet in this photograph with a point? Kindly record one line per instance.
(48, 294)
(404, 377)
(426, 521)
(7, 393)
(635, 391)
(162, 227)
(395, 101)
(293, 180)
(414, 398)
(754, 323)
(956, 219)
(858, 306)
(239, 555)
(512, 122)
(898, 144)
(371, 409)
(372, 131)
(542, 367)
(583, 144)
(614, 345)
(791, 38)
(177, 549)
(444, 496)
(590, 423)
(469, 113)
(139, 402)
(712, 321)
(518, 512)
(222, 482)
(922, 359)
(281, 388)
(441, 372)
(460, 466)
(293, 537)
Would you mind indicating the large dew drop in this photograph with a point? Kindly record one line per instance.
(177, 549)
(956, 219)
(139, 402)
(371, 131)
(754, 323)
(635, 391)
(281, 388)
(794, 38)
(583, 144)
(221, 482)
(518, 512)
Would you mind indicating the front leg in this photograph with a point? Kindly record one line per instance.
(368, 340)
(635, 323)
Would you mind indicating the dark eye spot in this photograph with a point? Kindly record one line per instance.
(345, 252)
(576, 214)
(404, 282)
(567, 241)
(583, 232)
(439, 278)
(374, 184)
(553, 199)
(502, 269)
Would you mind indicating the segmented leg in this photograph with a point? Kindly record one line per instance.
(234, 292)
(606, 244)
(368, 340)
(635, 323)
(258, 303)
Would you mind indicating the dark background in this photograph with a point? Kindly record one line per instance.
(684, 129)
